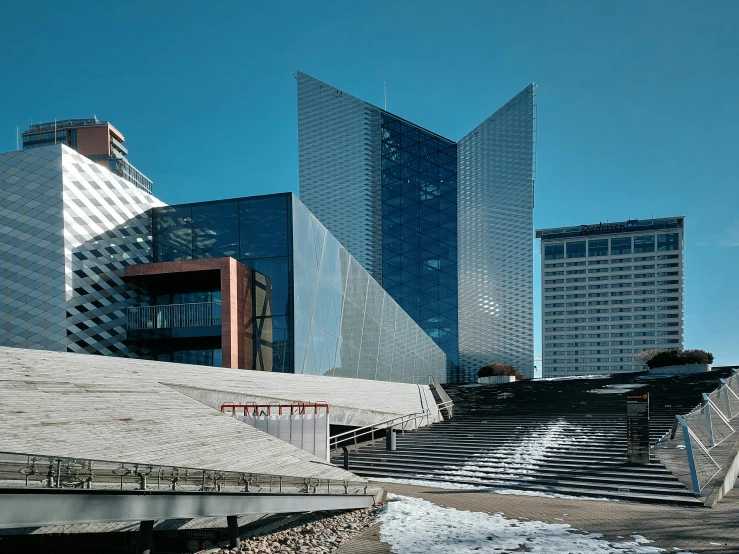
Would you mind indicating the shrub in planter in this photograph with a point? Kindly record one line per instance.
(679, 357)
(644, 357)
(496, 370)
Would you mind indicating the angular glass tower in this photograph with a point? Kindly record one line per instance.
(445, 226)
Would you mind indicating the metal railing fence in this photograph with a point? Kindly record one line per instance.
(275, 409)
(169, 316)
(42, 471)
(706, 427)
(407, 422)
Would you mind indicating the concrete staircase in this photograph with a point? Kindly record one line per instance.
(561, 436)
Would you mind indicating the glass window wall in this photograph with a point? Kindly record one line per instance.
(215, 229)
(643, 243)
(554, 251)
(172, 228)
(598, 247)
(620, 245)
(256, 232)
(419, 238)
(669, 241)
(576, 249)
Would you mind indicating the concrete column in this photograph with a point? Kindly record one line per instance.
(390, 438)
(233, 532)
(145, 533)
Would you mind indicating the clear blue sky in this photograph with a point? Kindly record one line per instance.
(638, 104)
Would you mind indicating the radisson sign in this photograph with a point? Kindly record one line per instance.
(607, 227)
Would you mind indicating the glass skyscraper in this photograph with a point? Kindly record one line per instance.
(445, 226)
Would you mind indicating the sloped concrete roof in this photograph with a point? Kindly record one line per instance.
(118, 409)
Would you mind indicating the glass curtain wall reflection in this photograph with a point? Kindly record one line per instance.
(419, 228)
(253, 230)
(327, 315)
(346, 325)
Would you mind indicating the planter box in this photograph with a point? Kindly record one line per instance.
(496, 379)
(680, 369)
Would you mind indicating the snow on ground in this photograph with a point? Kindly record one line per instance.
(496, 490)
(521, 461)
(416, 526)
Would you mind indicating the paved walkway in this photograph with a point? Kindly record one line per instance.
(700, 530)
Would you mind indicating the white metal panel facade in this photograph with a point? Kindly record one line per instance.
(496, 257)
(73, 226)
(339, 161)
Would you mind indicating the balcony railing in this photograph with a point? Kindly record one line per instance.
(168, 316)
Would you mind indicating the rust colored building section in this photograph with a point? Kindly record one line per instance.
(242, 292)
(98, 140)
(95, 141)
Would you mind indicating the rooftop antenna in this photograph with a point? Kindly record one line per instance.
(17, 147)
(55, 130)
(384, 93)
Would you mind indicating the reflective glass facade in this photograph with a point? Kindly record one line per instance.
(419, 228)
(346, 325)
(253, 230)
(328, 315)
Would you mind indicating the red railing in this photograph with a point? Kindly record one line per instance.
(254, 409)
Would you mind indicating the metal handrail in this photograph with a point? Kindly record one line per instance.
(295, 408)
(402, 421)
(169, 316)
(41, 470)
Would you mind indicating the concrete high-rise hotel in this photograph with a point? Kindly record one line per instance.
(446, 227)
(609, 292)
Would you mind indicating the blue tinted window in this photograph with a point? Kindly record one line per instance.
(172, 233)
(264, 228)
(643, 243)
(621, 245)
(419, 240)
(554, 251)
(216, 229)
(278, 270)
(576, 249)
(598, 247)
(668, 242)
(209, 357)
(272, 345)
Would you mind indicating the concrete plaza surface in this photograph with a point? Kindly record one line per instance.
(699, 530)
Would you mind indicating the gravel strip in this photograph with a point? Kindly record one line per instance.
(320, 533)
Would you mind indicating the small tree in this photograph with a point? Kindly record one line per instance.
(644, 357)
(679, 357)
(494, 370)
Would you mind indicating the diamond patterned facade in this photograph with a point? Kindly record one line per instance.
(446, 227)
(73, 227)
(339, 160)
(496, 205)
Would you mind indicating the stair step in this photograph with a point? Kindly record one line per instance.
(581, 448)
(686, 500)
